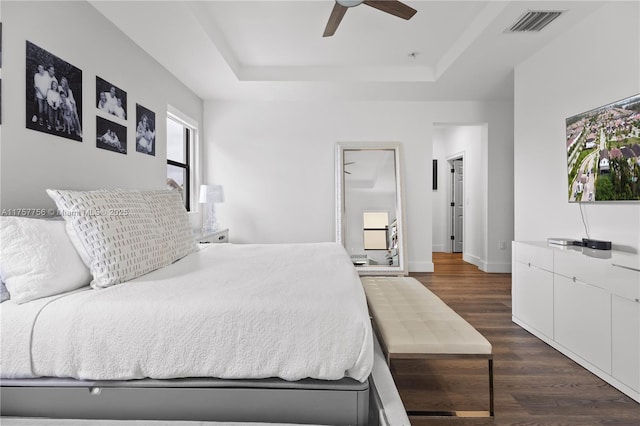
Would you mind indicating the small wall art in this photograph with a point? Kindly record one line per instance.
(111, 136)
(145, 130)
(111, 99)
(53, 94)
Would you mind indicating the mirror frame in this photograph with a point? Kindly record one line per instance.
(341, 147)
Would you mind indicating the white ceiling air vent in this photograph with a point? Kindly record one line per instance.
(534, 21)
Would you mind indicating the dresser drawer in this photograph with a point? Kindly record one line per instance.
(533, 290)
(534, 255)
(624, 282)
(582, 320)
(602, 273)
(625, 341)
(584, 268)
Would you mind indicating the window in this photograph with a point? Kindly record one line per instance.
(180, 138)
(376, 227)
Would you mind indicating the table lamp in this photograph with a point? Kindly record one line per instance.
(209, 195)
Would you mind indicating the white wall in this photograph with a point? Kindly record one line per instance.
(593, 64)
(75, 32)
(451, 142)
(276, 160)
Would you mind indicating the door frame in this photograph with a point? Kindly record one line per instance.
(450, 159)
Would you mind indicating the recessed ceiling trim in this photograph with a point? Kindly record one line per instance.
(479, 25)
(534, 21)
(201, 15)
(369, 74)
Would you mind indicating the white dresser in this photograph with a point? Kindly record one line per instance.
(585, 303)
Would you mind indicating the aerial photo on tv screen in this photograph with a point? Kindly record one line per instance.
(603, 152)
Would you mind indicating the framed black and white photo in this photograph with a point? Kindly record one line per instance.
(53, 94)
(145, 130)
(111, 136)
(111, 99)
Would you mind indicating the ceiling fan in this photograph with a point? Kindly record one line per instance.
(393, 7)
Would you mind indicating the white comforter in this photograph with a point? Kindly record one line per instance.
(226, 311)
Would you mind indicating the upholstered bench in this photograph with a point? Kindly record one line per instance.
(413, 323)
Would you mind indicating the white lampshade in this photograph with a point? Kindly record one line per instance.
(211, 194)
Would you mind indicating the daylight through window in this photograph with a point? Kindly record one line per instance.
(179, 144)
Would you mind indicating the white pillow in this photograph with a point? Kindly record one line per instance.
(114, 231)
(38, 259)
(173, 221)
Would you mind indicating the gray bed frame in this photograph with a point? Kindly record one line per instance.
(375, 402)
(309, 401)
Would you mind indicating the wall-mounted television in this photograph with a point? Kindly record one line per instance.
(603, 153)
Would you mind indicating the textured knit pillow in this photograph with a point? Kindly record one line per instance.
(38, 259)
(173, 221)
(114, 231)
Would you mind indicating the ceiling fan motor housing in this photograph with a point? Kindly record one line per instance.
(349, 3)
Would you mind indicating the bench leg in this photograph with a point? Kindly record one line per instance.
(460, 413)
(491, 410)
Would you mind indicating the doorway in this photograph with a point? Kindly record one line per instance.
(457, 204)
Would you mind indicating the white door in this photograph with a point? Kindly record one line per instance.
(457, 205)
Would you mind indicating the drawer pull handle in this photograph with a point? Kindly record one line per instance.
(95, 391)
(626, 267)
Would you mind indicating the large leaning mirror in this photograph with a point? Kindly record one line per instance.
(369, 216)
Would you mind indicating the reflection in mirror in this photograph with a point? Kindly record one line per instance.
(376, 230)
(369, 201)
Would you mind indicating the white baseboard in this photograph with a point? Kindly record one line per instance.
(492, 268)
(439, 248)
(474, 260)
(420, 266)
(498, 268)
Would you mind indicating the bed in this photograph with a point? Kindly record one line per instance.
(227, 332)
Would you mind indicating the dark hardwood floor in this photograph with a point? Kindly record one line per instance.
(534, 384)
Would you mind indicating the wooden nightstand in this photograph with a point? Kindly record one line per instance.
(221, 236)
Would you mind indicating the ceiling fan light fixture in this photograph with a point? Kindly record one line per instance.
(349, 3)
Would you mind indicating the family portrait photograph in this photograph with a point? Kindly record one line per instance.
(53, 94)
(145, 130)
(111, 136)
(111, 99)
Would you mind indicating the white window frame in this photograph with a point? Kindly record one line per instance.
(193, 151)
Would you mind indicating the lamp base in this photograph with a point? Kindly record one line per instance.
(210, 223)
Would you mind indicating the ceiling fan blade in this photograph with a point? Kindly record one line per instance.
(334, 20)
(393, 7)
